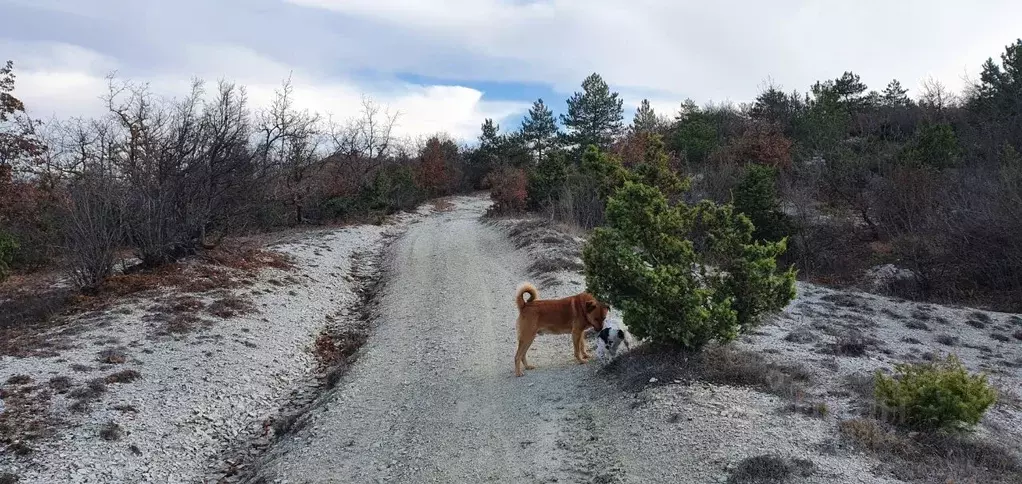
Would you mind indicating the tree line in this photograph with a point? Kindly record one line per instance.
(850, 177)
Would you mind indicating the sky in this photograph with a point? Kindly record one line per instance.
(445, 65)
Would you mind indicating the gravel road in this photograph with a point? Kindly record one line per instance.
(433, 398)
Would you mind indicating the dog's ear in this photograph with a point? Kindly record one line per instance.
(590, 305)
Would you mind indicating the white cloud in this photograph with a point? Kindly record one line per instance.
(703, 50)
(62, 80)
(657, 49)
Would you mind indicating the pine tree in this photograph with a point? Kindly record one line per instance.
(489, 138)
(594, 115)
(645, 120)
(895, 96)
(539, 129)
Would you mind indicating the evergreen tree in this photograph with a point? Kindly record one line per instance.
(539, 129)
(895, 96)
(489, 139)
(655, 169)
(594, 115)
(645, 120)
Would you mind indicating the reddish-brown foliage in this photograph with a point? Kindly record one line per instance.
(766, 144)
(509, 190)
(435, 174)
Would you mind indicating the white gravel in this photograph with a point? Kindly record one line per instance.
(432, 397)
(198, 393)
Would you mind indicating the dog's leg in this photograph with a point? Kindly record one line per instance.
(524, 342)
(585, 346)
(525, 361)
(578, 341)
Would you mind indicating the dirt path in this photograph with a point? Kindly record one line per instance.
(433, 399)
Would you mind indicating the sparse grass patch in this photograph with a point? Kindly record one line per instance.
(809, 409)
(111, 431)
(25, 419)
(921, 314)
(124, 376)
(764, 469)
(124, 408)
(916, 324)
(852, 343)
(80, 368)
(802, 336)
(976, 324)
(981, 316)
(30, 307)
(932, 456)
(60, 384)
(19, 380)
(228, 306)
(9, 478)
(1018, 335)
(844, 300)
(947, 340)
(547, 265)
(113, 356)
(1000, 337)
(715, 364)
(85, 396)
(179, 304)
(910, 340)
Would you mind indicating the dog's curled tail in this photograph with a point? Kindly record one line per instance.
(525, 288)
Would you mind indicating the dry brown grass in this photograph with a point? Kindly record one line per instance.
(442, 205)
(123, 376)
(31, 306)
(26, 418)
(716, 364)
(88, 394)
(933, 457)
(334, 350)
(229, 306)
(113, 356)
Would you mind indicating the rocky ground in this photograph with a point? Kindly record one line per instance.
(161, 386)
(432, 396)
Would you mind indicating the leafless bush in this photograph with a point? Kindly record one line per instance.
(94, 229)
(959, 230)
(579, 204)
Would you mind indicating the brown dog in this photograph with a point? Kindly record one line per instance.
(572, 314)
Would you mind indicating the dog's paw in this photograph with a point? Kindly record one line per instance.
(530, 367)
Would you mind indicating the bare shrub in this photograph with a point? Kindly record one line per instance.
(94, 229)
(579, 204)
(770, 468)
(852, 343)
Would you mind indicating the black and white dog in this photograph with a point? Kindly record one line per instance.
(610, 338)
